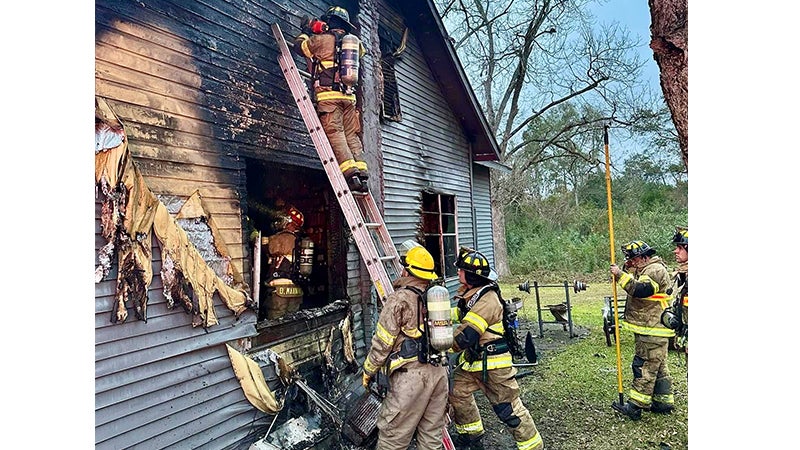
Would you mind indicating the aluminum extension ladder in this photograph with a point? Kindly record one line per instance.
(362, 214)
(376, 249)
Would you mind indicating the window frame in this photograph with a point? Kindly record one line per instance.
(440, 233)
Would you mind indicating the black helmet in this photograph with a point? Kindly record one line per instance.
(637, 248)
(681, 236)
(473, 261)
(337, 13)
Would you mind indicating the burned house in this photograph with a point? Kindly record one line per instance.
(200, 150)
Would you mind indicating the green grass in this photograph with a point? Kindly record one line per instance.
(570, 392)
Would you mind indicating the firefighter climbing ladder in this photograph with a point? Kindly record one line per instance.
(362, 214)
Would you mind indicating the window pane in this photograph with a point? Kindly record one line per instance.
(448, 223)
(430, 223)
(430, 202)
(432, 245)
(448, 204)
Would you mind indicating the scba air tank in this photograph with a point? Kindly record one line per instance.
(440, 327)
(306, 256)
(348, 62)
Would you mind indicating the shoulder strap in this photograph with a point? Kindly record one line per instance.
(484, 289)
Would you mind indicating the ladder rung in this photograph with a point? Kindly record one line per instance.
(387, 258)
(372, 225)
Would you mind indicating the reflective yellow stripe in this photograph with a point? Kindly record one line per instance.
(470, 428)
(649, 331)
(362, 165)
(497, 327)
(664, 398)
(533, 442)
(335, 95)
(304, 46)
(686, 300)
(347, 165)
(661, 298)
(639, 397)
(476, 320)
(385, 336)
(326, 64)
(624, 279)
(395, 363)
(500, 361)
(454, 314)
(369, 367)
(413, 333)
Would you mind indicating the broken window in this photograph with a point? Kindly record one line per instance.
(440, 229)
(392, 44)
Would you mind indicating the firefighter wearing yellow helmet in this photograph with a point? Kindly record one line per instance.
(646, 282)
(416, 400)
(485, 362)
(334, 55)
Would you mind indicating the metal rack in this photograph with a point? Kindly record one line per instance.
(558, 309)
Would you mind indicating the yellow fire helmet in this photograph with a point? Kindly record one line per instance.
(419, 262)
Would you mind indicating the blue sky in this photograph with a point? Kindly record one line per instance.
(634, 15)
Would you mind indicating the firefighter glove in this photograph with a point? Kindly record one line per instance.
(366, 379)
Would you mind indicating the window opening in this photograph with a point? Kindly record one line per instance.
(439, 227)
(392, 44)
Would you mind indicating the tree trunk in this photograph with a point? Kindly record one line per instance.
(499, 233)
(670, 43)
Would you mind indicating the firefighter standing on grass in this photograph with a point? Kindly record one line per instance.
(334, 54)
(646, 283)
(485, 362)
(417, 397)
(677, 317)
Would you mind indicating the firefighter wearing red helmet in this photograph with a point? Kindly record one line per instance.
(334, 55)
(485, 362)
(283, 296)
(646, 282)
(416, 400)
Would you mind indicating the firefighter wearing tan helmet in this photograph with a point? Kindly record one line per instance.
(334, 54)
(416, 400)
(283, 296)
(485, 362)
(646, 282)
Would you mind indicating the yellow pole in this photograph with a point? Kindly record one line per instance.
(611, 245)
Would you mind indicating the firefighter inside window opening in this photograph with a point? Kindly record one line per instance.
(485, 362)
(333, 53)
(289, 263)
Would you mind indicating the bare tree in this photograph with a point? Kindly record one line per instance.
(670, 44)
(528, 58)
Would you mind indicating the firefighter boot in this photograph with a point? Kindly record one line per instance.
(363, 176)
(465, 441)
(661, 408)
(351, 176)
(629, 409)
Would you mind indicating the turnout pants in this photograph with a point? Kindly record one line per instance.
(502, 391)
(416, 401)
(651, 379)
(341, 121)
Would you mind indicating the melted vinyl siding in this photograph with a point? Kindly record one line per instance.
(427, 149)
(162, 383)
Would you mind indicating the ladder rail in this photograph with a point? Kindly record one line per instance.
(347, 201)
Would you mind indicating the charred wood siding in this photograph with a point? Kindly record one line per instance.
(197, 86)
(426, 150)
(163, 383)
